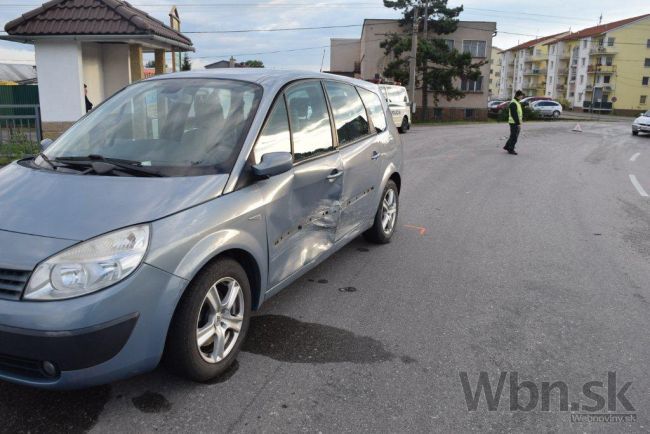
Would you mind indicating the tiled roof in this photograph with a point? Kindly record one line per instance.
(603, 28)
(90, 17)
(535, 42)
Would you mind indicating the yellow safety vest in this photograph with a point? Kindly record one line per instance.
(520, 112)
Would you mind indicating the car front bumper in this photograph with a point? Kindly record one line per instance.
(90, 340)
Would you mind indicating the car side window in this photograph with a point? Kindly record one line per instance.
(275, 136)
(350, 117)
(373, 103)
(309, 118)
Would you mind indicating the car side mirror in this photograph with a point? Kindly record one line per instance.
(45, 143)
(273, 163)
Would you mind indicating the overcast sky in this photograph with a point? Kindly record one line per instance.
(522, 20)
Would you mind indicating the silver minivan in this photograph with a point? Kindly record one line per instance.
(156, 224)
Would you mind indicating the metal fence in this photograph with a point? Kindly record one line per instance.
(20, 130)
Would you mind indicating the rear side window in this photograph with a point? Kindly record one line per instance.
(349, 112)
(310, 122)
(373, 104)
(275, 136)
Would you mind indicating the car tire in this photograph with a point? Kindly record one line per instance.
(202, 341)
(382, 230)
(556, 114)
(405, 125)
(635, 133)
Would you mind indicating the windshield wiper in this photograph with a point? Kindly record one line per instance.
(46, 159)
(102, 165)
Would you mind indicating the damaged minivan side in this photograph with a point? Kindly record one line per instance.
(155, 225)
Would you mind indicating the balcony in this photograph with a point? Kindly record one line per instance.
(602, 50)
(606, 87)
(562, 71)
(598, 106)
(565, 55)
(535, 72)
(601, 69)
(560, 87)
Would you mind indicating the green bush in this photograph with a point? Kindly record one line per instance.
(18, 146)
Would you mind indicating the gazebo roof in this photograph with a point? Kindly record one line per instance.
(93, 18)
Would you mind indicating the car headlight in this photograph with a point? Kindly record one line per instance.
(89, 266)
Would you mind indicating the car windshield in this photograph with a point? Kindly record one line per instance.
(177, 127)
(647, 114)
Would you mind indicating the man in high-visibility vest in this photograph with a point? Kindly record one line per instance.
(515, 119)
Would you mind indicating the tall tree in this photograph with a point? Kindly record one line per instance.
(438, 66)
(187, 63)
(254, 64)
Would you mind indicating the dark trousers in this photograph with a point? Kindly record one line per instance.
(514, 135)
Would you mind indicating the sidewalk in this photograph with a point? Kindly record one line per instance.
(580, 116)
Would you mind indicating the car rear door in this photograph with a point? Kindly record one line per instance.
(360, 154)
(303, 205)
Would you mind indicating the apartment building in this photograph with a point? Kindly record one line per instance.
(604, 68)
(364, 58)
(524, 67)
(495, 73)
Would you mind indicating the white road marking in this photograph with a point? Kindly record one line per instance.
(638, 186)
(635, 156)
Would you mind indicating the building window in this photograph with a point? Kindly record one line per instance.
(584, 43)
(645, 81)
(607, 79)
(643, 99)
(584, 61)
(582, 79)
(609, 61)
(647, 44)
(471, 85)
(450, 44)
(647, 63)
(610, 42)
(580, 97)
(552, 63)
(475, 48)
(572, 94)
(550, 79)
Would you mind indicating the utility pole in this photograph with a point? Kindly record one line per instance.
(593, 89)
(425, 93)
(414, 53)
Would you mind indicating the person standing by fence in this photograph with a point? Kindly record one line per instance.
(515, 119)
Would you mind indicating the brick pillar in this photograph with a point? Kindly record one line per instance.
(160, 61)
(137, 67)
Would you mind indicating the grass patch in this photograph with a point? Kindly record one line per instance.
(18, 146)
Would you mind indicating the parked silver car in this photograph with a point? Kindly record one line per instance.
(155, 225)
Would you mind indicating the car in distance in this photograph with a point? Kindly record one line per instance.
(532, 99)
(399, 105)
(547, 108)
(176, 208)
(641, 124)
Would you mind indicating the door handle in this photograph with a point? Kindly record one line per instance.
(375, 155)
(335, 174)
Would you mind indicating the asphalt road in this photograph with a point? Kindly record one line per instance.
(536, 264)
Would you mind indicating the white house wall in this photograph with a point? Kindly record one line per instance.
(60, 85)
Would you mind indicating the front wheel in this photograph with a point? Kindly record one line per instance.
(210, 322)
(386, 217)
(405, 126)
(635, 133)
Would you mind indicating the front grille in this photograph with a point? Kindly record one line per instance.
(23, 367)
(12, 283)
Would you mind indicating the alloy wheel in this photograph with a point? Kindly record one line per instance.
(220, 320)
(389, 211)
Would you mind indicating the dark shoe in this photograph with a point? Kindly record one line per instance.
(505, 148)
(512, 152)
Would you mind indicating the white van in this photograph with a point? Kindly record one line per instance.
(399, 105)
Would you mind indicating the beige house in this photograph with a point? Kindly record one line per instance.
(364, 58)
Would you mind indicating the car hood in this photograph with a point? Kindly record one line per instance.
(78, 207)
(642, 120)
